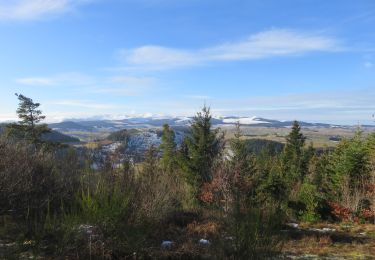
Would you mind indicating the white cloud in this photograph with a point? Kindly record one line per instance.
(33, 9)
(66, 79)
(36, 81)
(115, 85)
(271, 43)
(83, 104)
(133, 81)
(199, 97)
(127, 85)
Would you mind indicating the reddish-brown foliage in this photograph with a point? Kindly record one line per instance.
(340, 212)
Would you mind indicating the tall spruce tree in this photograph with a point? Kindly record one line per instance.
(294, 154)
(168, 148)
(28, 127)
(201, 149)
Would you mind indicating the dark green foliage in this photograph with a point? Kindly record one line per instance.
(309, 197)
(28, 128)
(201, 149)
(257, 146)
(168, 149)
(295, 142)
(293, 157)
(274, 187)
(123, 135)
(348, 172)
(351, 159)
(55, 136)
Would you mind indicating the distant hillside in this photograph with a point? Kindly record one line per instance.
(97, 126)
(56, 136)
(122, 135)
(53, 136)
(256, 146)
(70, 126)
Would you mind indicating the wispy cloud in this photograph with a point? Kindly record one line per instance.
(266, 44)
(127, 85)
(34, 9)
(123, 85)
(83, 104)
(198, 97)
(368, 64)
(36, 81)
(65, 79)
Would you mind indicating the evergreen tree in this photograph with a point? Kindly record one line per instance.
(150, 165)
(243, 165)
(350, 162)
(201, 149)
(293, 157)
(274, 187)
(295, 142)
(168, 148)
(28, 126)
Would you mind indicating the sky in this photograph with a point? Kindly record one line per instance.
(309, 60)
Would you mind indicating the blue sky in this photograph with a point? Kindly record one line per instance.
(291, 59)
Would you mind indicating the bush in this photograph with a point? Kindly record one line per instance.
(254, 233)
(308, 196)
(36, 182)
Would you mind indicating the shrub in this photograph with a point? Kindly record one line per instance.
(308, 195)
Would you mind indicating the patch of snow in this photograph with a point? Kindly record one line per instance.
(166, 244)
(244, 120)
(293, 225)
(204, 242)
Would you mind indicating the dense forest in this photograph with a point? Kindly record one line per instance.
(209, 197)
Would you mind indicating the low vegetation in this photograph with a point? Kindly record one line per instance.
(206, 198)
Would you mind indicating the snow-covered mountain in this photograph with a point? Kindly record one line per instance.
(158, 121)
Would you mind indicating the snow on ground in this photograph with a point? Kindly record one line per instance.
(244, 120)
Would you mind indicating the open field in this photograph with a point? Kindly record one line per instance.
(319, 136)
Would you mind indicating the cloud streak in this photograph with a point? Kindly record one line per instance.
(127, 86)
(65, 79)
(123, 85)
(266, 44)
(84, 104)
(34, 9)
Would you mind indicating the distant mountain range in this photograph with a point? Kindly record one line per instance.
(153, 122)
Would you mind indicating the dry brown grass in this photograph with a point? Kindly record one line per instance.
(324, 245)
(203, 229)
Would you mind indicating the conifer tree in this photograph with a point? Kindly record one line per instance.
(243, 164)
(30, 116)
(295, 142)
(168, 148)
(294, 153)
(201, 149)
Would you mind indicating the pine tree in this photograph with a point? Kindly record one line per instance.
(201, 149)
(295, 142)
(294, 154)
(168, 148)
(30, 116)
